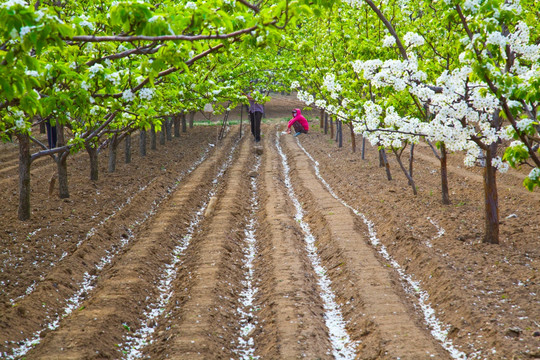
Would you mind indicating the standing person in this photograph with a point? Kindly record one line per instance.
(51, 134)
(255, 115)
(298, 122)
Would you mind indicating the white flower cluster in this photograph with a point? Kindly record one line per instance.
(155, 18)
(114, 78)
(32, 73)
(94, 110)
(332, 85)
(86, 23)
(389, 41)
(461, 110)
(519, 42)
(128, 95)
(471, 5)
(412, 39)
(12, 3)
(306, 97)
(295, 85)
(321, 104)
(191, 5)
(147, 93)
(534, 175)
(94, 69)
(499, 164)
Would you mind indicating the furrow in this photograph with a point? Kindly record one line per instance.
(389, 327)
(116, 294)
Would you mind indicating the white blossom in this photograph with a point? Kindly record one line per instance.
(94, 69)
(534, 175)
(147, 93)
(32, 73)
(12, 3)
(128, 95)
(389, 41)
(413, 39)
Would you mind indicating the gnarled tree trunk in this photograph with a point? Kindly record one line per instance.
(444, 176)
(153, 142)
(162, 134)
(191, 119)
(128, 149)
(94, 162)
(142, 142)
(491, 201)
(63, 187)
(184, 125)
(176, 118)
(25, 162)
(113, 145)
(353, 138)
(383, 161)
(168, 129)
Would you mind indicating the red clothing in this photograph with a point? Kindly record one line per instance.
(302, 120)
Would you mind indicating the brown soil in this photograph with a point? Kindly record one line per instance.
(137, 216)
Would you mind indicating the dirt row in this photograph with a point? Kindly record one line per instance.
(152, 262)
(199, 318)
(487, 295)
(44, 261)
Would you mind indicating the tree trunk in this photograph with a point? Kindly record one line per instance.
(325, 123)
(42, 129)
(321, 121)
(176, 125)
(340, 134)
(184, 125)
(241, 118)
(331, 127)
(142, 143)
(63, 188)
(168, 129)
(128, 149)
(444, 176)
(491, 198)
(411, 160)
(24, 176)
(112, 154)
(191, 119)
(353, 138)
(385, 163)
(153, 142)
(162, 134)
(363, 148)
(407, 174)
(94, 162)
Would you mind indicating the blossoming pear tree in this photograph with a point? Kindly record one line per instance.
(99, 68)
(469, 68)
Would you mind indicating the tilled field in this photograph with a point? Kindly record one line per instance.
(291, 251)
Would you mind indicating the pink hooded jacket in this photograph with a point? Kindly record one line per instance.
(300, 119)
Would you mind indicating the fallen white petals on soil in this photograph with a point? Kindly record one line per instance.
(440, 232)
(246, 347)
(136, 342)
(438, 330)
(342, 346)
(89, 281)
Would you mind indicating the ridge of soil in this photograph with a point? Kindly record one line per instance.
(486, 294)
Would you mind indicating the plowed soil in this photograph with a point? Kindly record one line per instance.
(150, 261)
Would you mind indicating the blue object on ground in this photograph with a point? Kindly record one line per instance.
(298, 133)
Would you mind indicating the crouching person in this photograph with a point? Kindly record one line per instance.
(298, 122)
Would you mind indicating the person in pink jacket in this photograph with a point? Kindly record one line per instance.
(298, 122)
